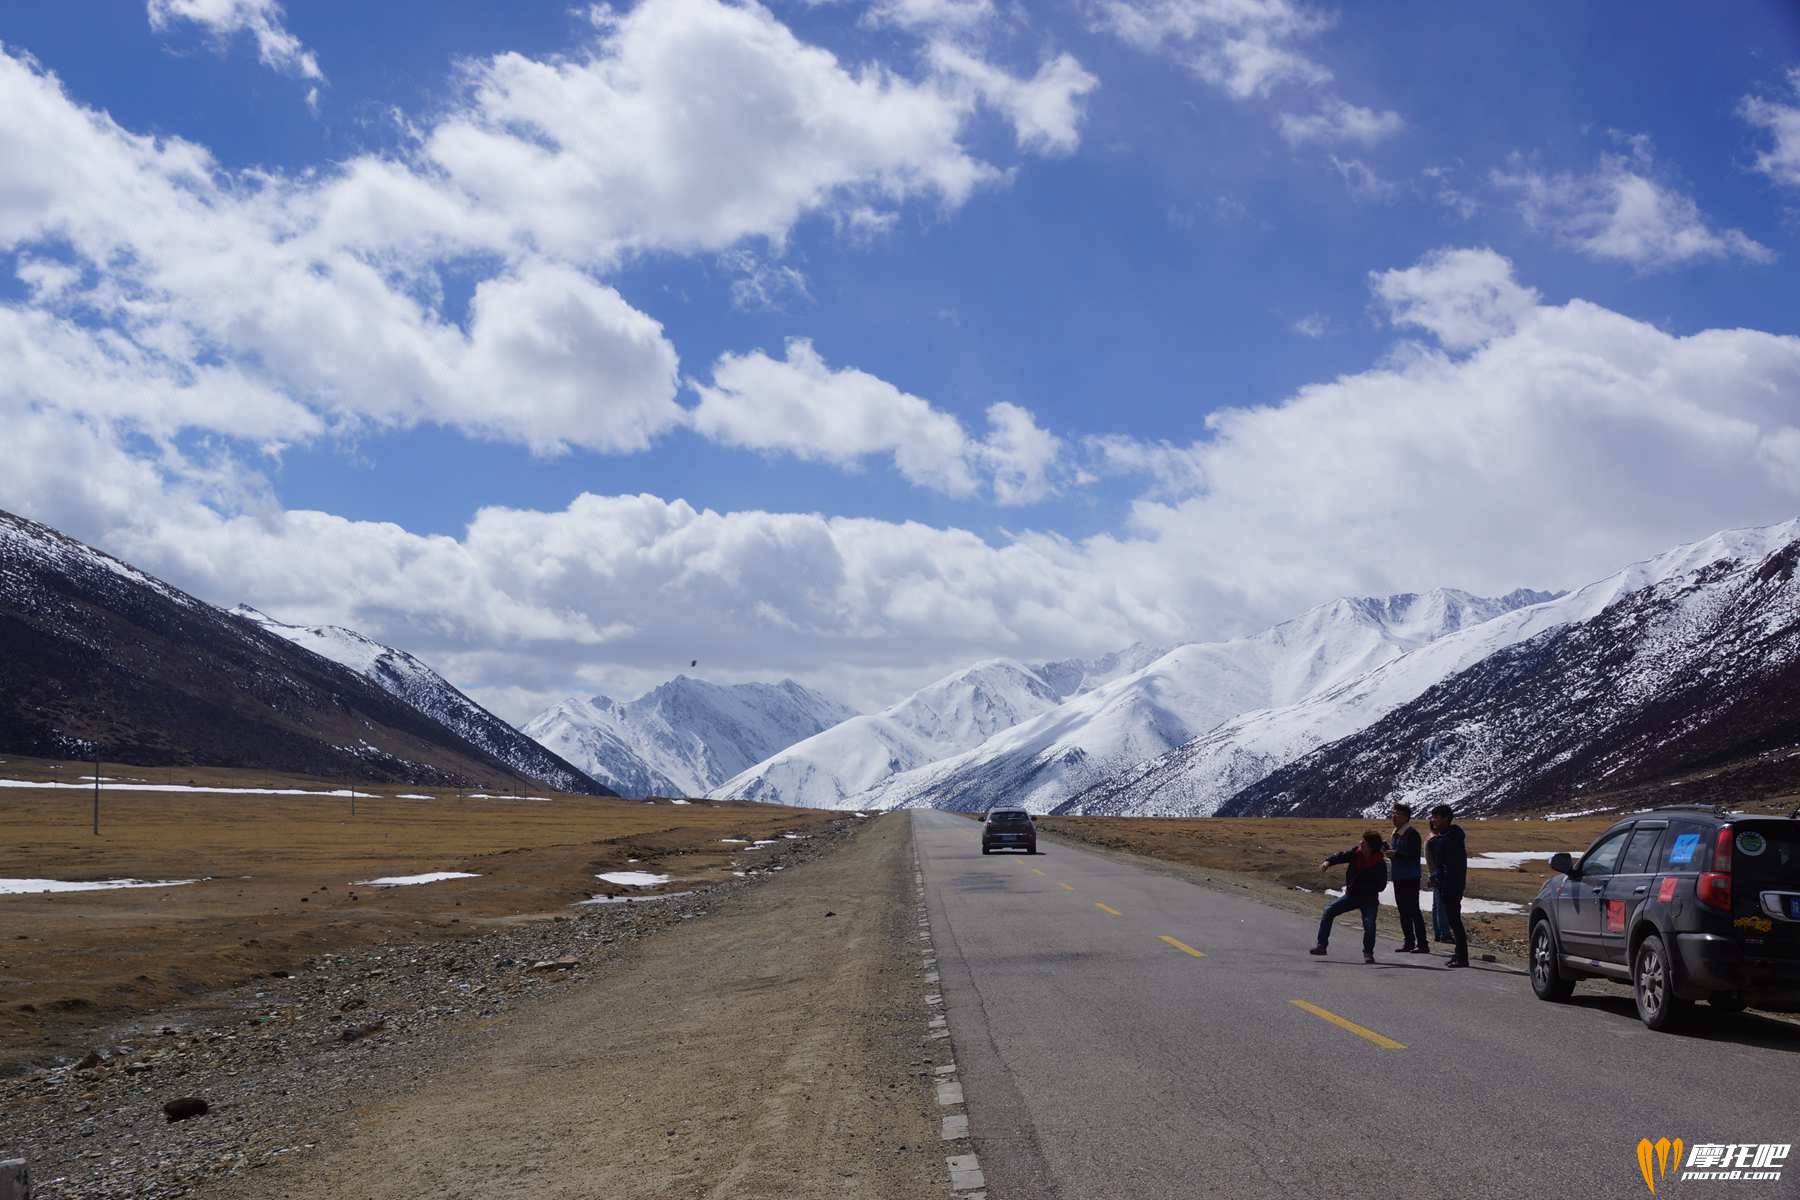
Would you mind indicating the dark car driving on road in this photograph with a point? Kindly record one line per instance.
(1008, 829)
(1685, 904)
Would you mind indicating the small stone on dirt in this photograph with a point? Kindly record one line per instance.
(185, 1108)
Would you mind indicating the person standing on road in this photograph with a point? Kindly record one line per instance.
(1453, 876)
(1404, 848)
(1365, 874)
(1440, 928)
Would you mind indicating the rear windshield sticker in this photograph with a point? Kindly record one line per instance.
(1683, 849)
(1752, 843)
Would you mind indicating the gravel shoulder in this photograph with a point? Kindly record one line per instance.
(759, 1038)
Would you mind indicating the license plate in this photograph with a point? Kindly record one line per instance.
(1794, 907)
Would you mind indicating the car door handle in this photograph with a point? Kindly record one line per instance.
(1638, 891)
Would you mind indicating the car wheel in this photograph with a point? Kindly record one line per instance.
(1653, 984)
(1031, 849)
(985, 850)
(1547, 979)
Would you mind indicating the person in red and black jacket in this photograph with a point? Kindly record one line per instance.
(1365, 874)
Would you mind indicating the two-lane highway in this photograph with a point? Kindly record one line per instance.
(1125, 1033)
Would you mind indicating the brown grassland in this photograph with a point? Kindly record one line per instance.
(279, 880)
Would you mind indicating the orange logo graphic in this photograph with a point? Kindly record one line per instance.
(1658, 1152)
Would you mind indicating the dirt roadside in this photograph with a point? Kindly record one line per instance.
(769, 1049)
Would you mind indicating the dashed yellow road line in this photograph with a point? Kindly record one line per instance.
(1035, 871)
(1180, 945)
(1064, 886)
(1108, 909)
(1386, 1043)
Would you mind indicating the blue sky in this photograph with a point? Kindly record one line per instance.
(1114, 319)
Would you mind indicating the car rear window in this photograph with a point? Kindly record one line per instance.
(1685, 847)
(1008, 818)
(1767, 852)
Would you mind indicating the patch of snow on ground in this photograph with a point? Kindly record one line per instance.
(28, 887)
(1510, 860)
(410, 880)
(178, 787)
(633, 899)
(736, 841)
(634, 878)
(1580, 812)
(1469, 905)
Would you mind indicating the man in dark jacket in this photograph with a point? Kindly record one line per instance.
(1404, 850)
(1365, 874)
(1453, 876)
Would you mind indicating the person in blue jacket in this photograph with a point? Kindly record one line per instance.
(1453, 877)
(1365, 874)
(1405, 847)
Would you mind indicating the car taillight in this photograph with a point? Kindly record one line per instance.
(1714, 886)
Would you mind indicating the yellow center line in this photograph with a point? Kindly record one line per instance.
(1386, 1043)
(1180, 945)
(1107, 908)
(1065, 887)
(1035, 871)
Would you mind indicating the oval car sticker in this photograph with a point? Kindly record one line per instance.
(1752, 843)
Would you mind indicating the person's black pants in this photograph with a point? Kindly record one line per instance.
(1453, 914)
(1412, 921)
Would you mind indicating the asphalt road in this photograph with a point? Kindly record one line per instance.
(1124, 1033)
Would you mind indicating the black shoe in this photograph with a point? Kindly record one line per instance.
(1368, 956)
(1457, 962)
(1317, 950)
(1406, 949)
(1421, 949)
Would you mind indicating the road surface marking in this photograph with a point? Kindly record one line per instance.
(1035, 871)
(1386, 1043)
(1107, 908)
(1064, 886)
(1180, 945)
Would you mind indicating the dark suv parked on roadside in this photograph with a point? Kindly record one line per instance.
(1684, 904)
(1008, 829)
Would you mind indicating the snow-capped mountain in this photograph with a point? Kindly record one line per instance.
(97, 657)
(684, 737)
(1073, 676)
(1699, 668)
(1202, 775)
(956, 712)
(406, 678)
(1042, 762)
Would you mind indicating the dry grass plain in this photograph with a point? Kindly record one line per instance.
(1285, 852)
(279, 880)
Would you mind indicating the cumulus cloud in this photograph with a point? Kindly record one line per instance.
(1622, 211)
(1463, 298)
(1245, 47)
(1045, 111)
(1365, 184)
(1563, 441)
(801, 406)
(1781, 121)
(949, 15)
(261, 19)
(285, 308)
(1313, 325)
(1336, 120)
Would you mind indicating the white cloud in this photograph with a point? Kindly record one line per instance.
(1441, 183)
(1781, 121)
(1364, 183)
(1245, 47)
(1313, 325)
(957, 15)
(1044, 111)
(261, 19)
(1336, 120)
(801, 406)
(284, 308)
(761, 284)
(1571, 440)
(1622, 212)
(1463, 298)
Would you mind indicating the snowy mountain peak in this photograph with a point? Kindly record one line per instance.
(685, 735)
(406, 678)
